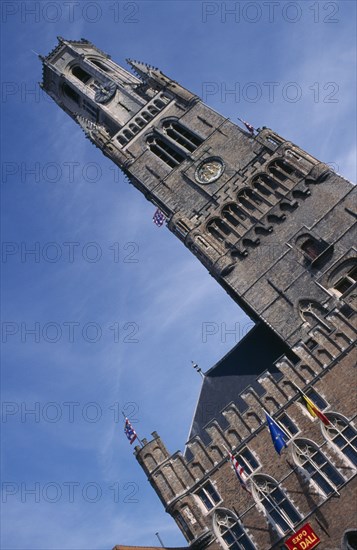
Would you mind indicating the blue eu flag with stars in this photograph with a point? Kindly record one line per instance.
(278, 436)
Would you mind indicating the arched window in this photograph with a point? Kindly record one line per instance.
(159, 103)
(122, 140)
(248, 198)
(182, 135)
(139, 121)
(349, 541)
(218, 229)
(153, 110)
(162, 149)
(309, 457)
(279, 510)
(342, 434)
(250, 201)
(100, 65)
(71, 93)
(268, 187)
(230, 531)
(283, 171)
(146, 116)
(235, 216)
(127, 134)
(81, 74)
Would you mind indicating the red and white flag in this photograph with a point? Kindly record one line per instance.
(240, 473)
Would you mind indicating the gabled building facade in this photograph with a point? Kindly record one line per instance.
(276, 228)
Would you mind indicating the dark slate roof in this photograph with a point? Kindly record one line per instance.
(222, 384)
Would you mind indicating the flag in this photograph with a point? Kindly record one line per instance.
(240, 473)
(278, 436)
(129, 431)
(313, 409)
(249, 127)
(158, 217)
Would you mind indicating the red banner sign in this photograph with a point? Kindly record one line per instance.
(304, 539)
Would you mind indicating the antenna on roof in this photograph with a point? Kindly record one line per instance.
(160, 539)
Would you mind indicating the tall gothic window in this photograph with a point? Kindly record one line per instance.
(342, 434)
(309, 457)
(280, 511)
(230, 531)
(164, 150)
(182, 135)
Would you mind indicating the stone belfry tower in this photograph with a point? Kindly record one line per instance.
(276, 228)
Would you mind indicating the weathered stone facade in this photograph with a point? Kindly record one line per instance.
(276, 228)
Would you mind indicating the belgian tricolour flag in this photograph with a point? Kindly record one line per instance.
(313, 409)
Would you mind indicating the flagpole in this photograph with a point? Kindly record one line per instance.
(137, 437)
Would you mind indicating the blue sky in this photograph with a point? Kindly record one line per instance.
(119, 307)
